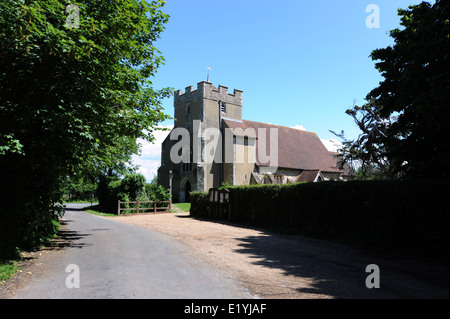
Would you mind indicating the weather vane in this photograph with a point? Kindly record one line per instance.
(207, 78)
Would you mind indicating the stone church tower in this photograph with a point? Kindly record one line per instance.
(196, 111)
(211, 144)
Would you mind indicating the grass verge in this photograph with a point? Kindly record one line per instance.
(184, 207)
(7, 269)
(96, 210)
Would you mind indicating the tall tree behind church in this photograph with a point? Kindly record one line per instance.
(408, 111)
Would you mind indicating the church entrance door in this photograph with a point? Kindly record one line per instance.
(187, 190)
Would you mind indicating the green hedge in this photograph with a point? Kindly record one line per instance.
(199, 204)
(406, 217)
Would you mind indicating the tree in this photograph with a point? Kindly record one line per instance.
(416, 87)
(157, 192)
(408, 111)
(73, 96)
(113, 188)
(79, 188)
(134, 185)
(367, 155)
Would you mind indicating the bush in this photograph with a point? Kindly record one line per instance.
(158, 193)
(111, 189)
(406, 217)
(200, 207)
(133, 185)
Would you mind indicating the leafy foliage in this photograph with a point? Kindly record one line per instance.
(71, 100)
(78, 188)
(133, 185)
(157, 192)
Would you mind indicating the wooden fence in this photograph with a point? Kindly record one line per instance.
(154, 207)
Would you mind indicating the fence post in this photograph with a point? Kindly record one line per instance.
(118, 207)
(155, 206)
(138, 207)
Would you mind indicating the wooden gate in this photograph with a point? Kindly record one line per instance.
(220, 198)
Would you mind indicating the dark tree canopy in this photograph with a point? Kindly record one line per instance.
(75, 94)
(410, 106)
(416, 86)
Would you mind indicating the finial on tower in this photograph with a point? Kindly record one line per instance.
(207, 78)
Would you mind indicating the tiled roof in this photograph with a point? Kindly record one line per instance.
(233, 124)
(307, 176)
(297, 149)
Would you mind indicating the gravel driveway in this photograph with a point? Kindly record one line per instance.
(286, 266)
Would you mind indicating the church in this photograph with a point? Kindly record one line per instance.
(211, 144)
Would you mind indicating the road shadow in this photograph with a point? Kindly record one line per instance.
(66, 238)
(184, 216)
(339, 271)
(299, 259)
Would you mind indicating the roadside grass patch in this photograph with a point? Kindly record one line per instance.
(7, 269)
(97, 210)
(184, 207)
(9, 262)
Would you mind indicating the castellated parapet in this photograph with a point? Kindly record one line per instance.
(205, 90)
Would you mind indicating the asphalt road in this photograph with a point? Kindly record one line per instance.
(109, 259)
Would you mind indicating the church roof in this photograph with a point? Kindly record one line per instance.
(297, 149)
(307, 176)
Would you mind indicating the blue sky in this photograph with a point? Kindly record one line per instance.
(299, 63)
